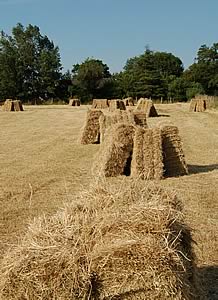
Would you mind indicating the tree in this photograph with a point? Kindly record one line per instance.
(29, 64)
(149, 74)
(92, 79)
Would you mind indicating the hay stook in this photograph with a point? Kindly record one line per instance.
(173, 155)
(91, 130)
(116, 104)
(12, 105)
(147, 107)
(74, 102)
(109, 243)
(200, 103)
(100, 104)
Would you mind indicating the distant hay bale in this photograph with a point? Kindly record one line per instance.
(100, 104)
(74, 102)
(116, 104)
(12, 105)
(173, 155)
(147, 160)
(115, 154)
(109, 243)
(91, 130)
(128, 101)
(200, 103)
(147, 107)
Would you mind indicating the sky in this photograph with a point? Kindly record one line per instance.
(115, 30)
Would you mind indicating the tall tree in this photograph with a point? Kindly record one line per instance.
(30, 62)
(91, 79)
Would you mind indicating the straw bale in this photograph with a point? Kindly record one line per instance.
(114, 157)
(91, 130)
(100, 104)
(173, 155)
(147, 160)
(74, 102)
(147, 107)
(18, 105)
(128, 101)
(116, 104)
(119, 116)
(108, 243)
(12, 105)
(140, 118)
(201, 102)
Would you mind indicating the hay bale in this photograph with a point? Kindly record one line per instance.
(115, 154)
(74, 102)
(116, 104)
(91, 130)
(108, 243)
(119, 116)
(147, 160)
(147, 107)
(100, 104)
(140, 118)
(128, 101)
(12, 105)
(201, 103)
(173, 155)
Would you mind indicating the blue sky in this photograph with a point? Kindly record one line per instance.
(115, 30)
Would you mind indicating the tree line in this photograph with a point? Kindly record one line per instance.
(31, 70)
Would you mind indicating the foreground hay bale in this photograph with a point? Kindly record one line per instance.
(173, 155)
(147, 107)
(100, 104)
(147, 159)
(116, 104)
(74, 102)
(91, 130)
(12, 105)
(109, 243)
(115, 154)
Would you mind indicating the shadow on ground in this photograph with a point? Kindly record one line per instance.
(209, 281)
(195, 169)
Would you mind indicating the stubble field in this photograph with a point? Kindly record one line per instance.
(43, 165)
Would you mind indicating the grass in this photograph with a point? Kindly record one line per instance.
(43, 165)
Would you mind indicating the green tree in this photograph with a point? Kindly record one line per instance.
(149, 74)
(92, 79)
(30, 62)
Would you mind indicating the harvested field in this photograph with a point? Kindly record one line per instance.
(42, 165)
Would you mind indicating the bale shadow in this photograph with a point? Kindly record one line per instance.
(208, 277)
(163, 115)
(195, 169)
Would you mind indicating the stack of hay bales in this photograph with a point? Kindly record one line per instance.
(128, 101)
(120, 116)
(109, 243)
(140, 118)
(152, 153)
(100, 104)
(147, 107)
(12, 105)
(201, 102)
(74, 102)
(91, 130)
(116, 104)
(173, 155)
(115, 154)
(147, 159)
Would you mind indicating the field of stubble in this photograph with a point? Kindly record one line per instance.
(42, 165)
